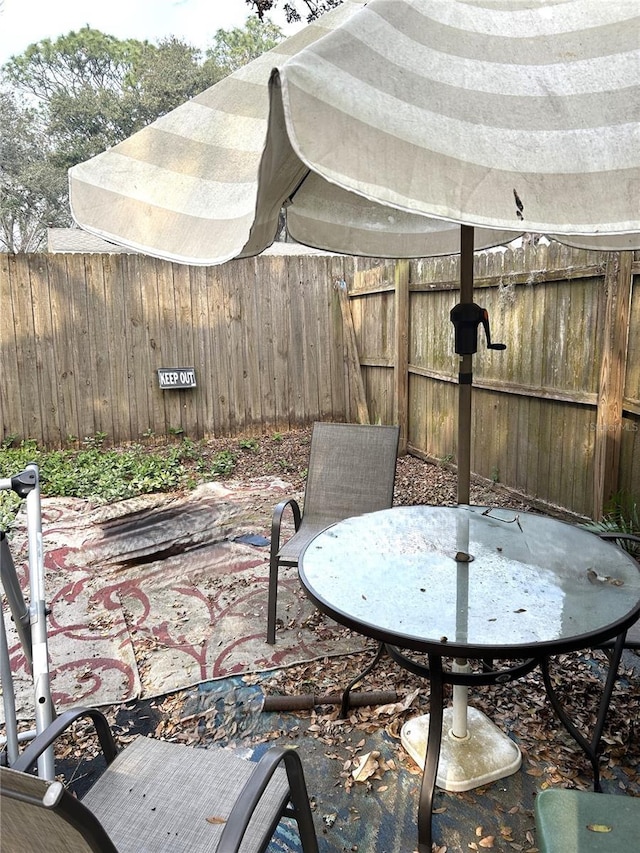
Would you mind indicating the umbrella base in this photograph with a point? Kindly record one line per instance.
(484, 755)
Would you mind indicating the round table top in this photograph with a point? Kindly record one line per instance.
(535, 585)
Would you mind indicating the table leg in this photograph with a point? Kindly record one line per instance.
(590, 747)
(434, 739)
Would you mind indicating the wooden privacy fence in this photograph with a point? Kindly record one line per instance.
(557, 415)
(82, 338)
(280, 341)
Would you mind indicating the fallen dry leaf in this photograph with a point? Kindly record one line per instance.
(366, 767)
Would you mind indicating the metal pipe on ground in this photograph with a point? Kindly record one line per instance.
(308, 701)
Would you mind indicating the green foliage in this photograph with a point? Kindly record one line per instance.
(223, 463)
(70, 99)
(106, 475)
(234, 48)
(32, 191)
(249, 444)
(621, 515)
(72, 63)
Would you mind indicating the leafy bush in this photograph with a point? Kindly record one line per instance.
(622, 515)
(107, 475)
(223, 462)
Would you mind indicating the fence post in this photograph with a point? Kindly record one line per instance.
(608, 427)
(401, 354)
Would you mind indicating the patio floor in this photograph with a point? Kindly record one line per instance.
(379, 813)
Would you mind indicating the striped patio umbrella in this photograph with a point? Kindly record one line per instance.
(509, 116)
(384, 127)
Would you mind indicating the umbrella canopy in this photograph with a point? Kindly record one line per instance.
(391, 122)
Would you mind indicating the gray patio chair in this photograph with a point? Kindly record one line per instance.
(351, 471)
(155, 797)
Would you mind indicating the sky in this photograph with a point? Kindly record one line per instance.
(23, 22)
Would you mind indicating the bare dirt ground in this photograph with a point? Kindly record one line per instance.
(417, 481)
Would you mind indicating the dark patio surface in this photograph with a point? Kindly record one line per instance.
(379, 814)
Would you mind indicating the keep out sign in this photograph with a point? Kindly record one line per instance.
(176, 377)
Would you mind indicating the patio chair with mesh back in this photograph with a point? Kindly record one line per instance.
(351, 471)
(155, 796)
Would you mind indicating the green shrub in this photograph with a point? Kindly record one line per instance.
(106, 475)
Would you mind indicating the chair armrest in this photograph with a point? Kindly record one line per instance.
(276, 521)
(250, 795)
(60, 725)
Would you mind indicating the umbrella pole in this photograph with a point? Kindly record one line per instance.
(465, 378)
(465, 373)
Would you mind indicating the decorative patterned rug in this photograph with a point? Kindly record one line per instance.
(155, 594)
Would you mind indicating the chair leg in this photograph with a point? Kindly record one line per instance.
(272, 600)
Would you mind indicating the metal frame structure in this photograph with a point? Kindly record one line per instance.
(30, 621)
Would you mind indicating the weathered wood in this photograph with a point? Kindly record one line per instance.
(98, 342)
(351, 356)
(82, 337)
(45, 395)
(12, 402)
(401, 346)
(608, 423)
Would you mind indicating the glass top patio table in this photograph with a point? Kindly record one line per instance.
(534, 584)
(474, 582)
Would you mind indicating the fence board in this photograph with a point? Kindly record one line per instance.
(62, 337)
(11, 388)
(45, 395)
(98, 342)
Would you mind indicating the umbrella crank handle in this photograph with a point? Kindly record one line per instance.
(466, 317)
(485, 324)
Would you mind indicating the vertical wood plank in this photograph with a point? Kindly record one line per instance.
(53, 432)
(100, 355)
(116, 347)
(185, 347)
(283, 363)
(62, 325)
(202, 351)
(80, 343)
(153, 282)
(401, 352)
(351, 357)
(11, 392)
(612, 380)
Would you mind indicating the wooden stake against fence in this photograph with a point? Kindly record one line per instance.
(401, 363)
(608, 427)
(351, 355)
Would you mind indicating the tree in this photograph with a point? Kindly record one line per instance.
(33, 193)
(84, 92)
(234, 48)
(71, 63)
(71, 99)
(291, 8)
